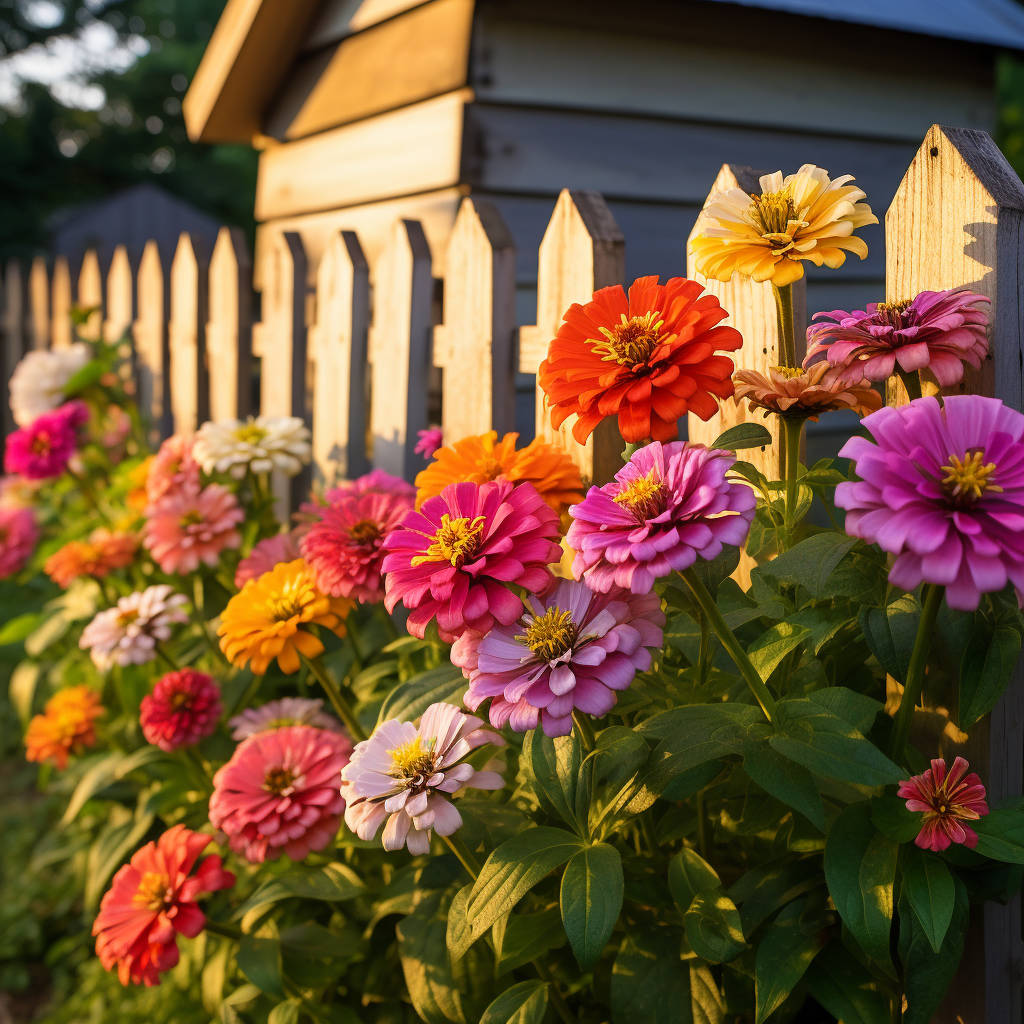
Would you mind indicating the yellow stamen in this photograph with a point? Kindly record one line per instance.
(365, 531)
(250, 433)
(789, 372)
(289, 603)
(893, 313)
(153, 892)
(632, 340)
(644, 497)
(456, 541)
(772, 214)
(967, 479)
(551, 634)
(411, 760)
(278, 780)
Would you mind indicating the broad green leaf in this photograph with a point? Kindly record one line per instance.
(259, 960)
(890, 633)
(15, 630)
(524, 1003)
(986, 666)
(331, 883)
(1001, 835)
(525, 937)
(707, 1005)
(764, 890)
(285, 1013)
(890, 816)
(846, 989)
(22, 688)
(47, 633)
(784, 952)
(785, 780)
(214, 973)
(713, 927)
(929, 889)
(553, 766)
(649, 983)
(109, 769)
(810, 563)
(689, 876)
(591, 900)
(856, 708)
(768, 650)
(744, 435)
(410, 699)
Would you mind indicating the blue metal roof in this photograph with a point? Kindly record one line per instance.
(989, 22)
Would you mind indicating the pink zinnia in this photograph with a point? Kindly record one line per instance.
(346, 546)
(570, 650)
(377, 481)
(946, 801)
(429, 441)
(18, 537)
(277, 714)
(151, 901)
(174, 470)
(936, 331)
(43, 449)
(404, 774)
(668, 506)
(450, 560)
(182, 709)
(265, 554)
(280, 793)
(942, 488)
(186, 528)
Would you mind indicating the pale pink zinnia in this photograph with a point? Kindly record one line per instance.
(265, 554)
(429, 441)
(668, 506)
(18, 537)
(570, 650)
(277, 714)
(936, 331)
(182, 709)
(128, 633)
(451, 560)
(947, 801)
(174, 469)
(280, 793)
(404, 774)
(186, 528)
(942, 489)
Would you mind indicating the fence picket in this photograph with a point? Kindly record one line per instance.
(120, 296)
(152, 357)
(61, 329)
(474, 345)
(338, 345)
(39, 304)
(89, 295)
(582, 250)
(189, 295)
(229, 328)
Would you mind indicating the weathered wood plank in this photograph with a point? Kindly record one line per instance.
(120, 296)
(39, 303)
(229, 327)
(338, 345)
(89, 295)
(582, 250)
(61, 328)
(152, 353)
(474, 345)
(189, 310)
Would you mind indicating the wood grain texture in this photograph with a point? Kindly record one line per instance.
(338, 346)
(474, 345)
(229, 327)
(582, 250)
(119, 289)
(189, 297)
(61, 331)
(400, 358)
(152, 354)
(89, 295)
(39, 303)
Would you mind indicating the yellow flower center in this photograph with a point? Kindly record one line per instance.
(632, 340)
(154, 891)
(250, 433)
(789, 372)
(551, 634)
(411, 761)
(180, 700)
(286, 606)
(893, 313)
(41, 444)
(967, 479)
(644, 497)
(193, 518)
(364, 532)
(278, 780)
(128, 616)
(771, 213)
(456, 541)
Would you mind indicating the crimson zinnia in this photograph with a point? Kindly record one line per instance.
(946, 800)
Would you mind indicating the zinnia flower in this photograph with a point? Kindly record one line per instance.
(186, 528)
(803, 393)
(100, 555)
(405, 774)
(946, 801)
(262, 444)
(39, 380)
(450, 560)
(270, 618)
(128, 633)
(804, 216)
(668, 506)
(936, 331)
(182, 709)
(429, 441)
(43, 449)
(571, 649)
(647, 359)
(18, 537)
(942, 488)
(66, 726)
(377, 481)
(280, 793)
(152, 899)
(277, 714)
(479, 459)
(173, 470)
(265, 554)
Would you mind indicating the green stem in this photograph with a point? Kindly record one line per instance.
(631, 449)
(729, 641)
(787, 323)
(463, 854)
(912, 382)
(161, 653)
(931, 602)
(584, 730)
(793, 428)
(228, 931)
(338, 702)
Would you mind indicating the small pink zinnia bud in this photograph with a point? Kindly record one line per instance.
(946, 800)
(429, 441)
(182, 709)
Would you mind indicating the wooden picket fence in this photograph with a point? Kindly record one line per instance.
(350, 348)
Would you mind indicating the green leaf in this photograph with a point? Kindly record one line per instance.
(845, 988)
(1001, 835)
(332, 883)
(109, 769)
(784, 952)
(744, 435)
(987, 664)
(707, 1005)
(768, 650)
(810, 563)
(591, 900)
(285, 1013)
(860, 869)
(510, 872)
(890, 816)
(713, 927)
(785, 780)
(929, 889)
(524, 1003)
(649, 983)
(22, 688)
(553, 765)
(890, 633)
(15, 630)
(689, 876)
(260, 961)
(525, 937)
(410, 699)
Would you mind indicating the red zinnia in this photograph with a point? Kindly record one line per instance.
(153, 898)
(946, 801)
(182, 709)
(648, 359)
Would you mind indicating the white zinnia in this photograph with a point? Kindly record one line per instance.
(38, 382)
(128, 633)
(261, 443)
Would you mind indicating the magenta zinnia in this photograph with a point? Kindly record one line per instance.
(18, 536)
(936, 331)
(450, 560)
(942, 488)
(43, 449)
(571, 650)
(182, 709)
(668, 506)
(404, 774)
(946, 800)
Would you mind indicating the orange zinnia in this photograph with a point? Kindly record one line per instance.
(483, 457)
(66, 726)
(647, 359)
(98, 556)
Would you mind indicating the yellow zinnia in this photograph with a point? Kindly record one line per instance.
(265, 619)
(804, 216)
(483, 457)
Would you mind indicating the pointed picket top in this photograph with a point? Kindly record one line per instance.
(338, 345)
(582, 250)
(953, 223)
(39, 304)
(229, 328)
(400, 348)
(152, 359)
(189, 389)
(751, 308)
(89, 295)
(61, 329)
(120, 296)
(474, 345)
